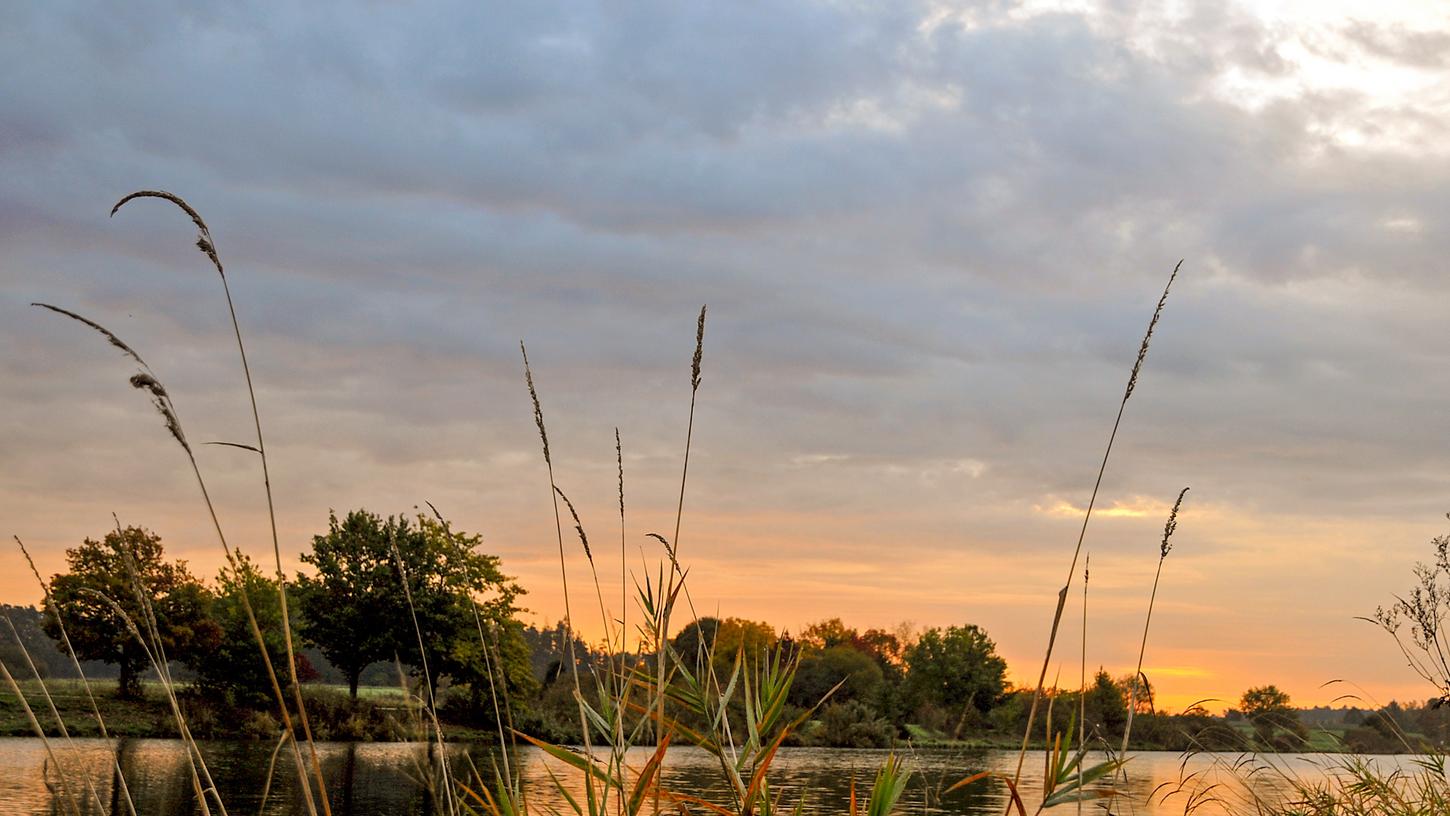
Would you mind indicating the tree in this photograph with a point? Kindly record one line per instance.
(1107, 708)
(358, 609)
(722, 640)
(460, 600)
(1268, 710)
(234, 668)
(127, 568)
(1143, 696)
(885, 646)
(956, 669)
(351, 607)
(857, 673)
(827, 633)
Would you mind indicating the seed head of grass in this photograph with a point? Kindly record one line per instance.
(1167, 546)
(665, 541)
(619, 460)
(1148, 336)
(203, 233)
(699, 351)
(159, 398)
(105, 332)
(538, 410)
(578, 525)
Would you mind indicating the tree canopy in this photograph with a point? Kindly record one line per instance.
(118, 588)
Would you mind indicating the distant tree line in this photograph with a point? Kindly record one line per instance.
(376, 589)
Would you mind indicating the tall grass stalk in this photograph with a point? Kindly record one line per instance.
(563, 570)
(1164, 547)
(207, 245)
(145, 380)
(1087, 516)
(674, 546)
(1082, 677)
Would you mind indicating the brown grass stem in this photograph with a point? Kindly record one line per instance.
(1087, 516)
(584, 727)
(207, 245)
(1164, 547)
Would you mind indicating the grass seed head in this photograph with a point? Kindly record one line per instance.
(1166, 546)
(1148, 336)
(699, 351)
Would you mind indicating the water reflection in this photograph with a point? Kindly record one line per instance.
(386, 778)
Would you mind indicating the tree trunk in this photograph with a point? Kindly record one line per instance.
(128, 687)
(352, 677)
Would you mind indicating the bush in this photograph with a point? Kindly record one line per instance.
(851, 725)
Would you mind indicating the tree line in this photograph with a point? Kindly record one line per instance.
(410, 594)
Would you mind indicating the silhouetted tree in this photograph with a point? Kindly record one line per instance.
(128, 568)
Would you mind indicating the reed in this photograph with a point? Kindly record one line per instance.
(1087, 517)
(207, 245)
(1164, 547)
(144, 380)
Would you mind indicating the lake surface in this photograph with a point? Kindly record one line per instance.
(369, 779)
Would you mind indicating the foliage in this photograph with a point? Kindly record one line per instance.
(851, 724)
(351, 607)
(462, 607)
(1269, 711)
(827, 634)
(956, 668)
(859, 678)
(232, 669)
(120, 586)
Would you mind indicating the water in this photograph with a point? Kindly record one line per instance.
(382, 778)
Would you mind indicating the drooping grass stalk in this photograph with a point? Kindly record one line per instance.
(145, 380)
(563, 571)
(1164, 547)
(76, 662)
(207, 245)
(1087, 516)
(49, 702)
(44, 740)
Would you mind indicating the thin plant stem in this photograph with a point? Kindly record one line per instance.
(207, 245)
(1087, 516)
(1164, 548)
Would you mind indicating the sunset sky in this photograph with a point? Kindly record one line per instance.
(930, 237)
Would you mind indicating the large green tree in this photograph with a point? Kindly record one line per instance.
(127, 568)
(382, 585)
(352, 603)
(858, 674)
(234, 668)
(465, 607)
(956, 669)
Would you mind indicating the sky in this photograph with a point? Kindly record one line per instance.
(930, 236)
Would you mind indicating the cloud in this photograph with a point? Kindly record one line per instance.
(930, 238)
